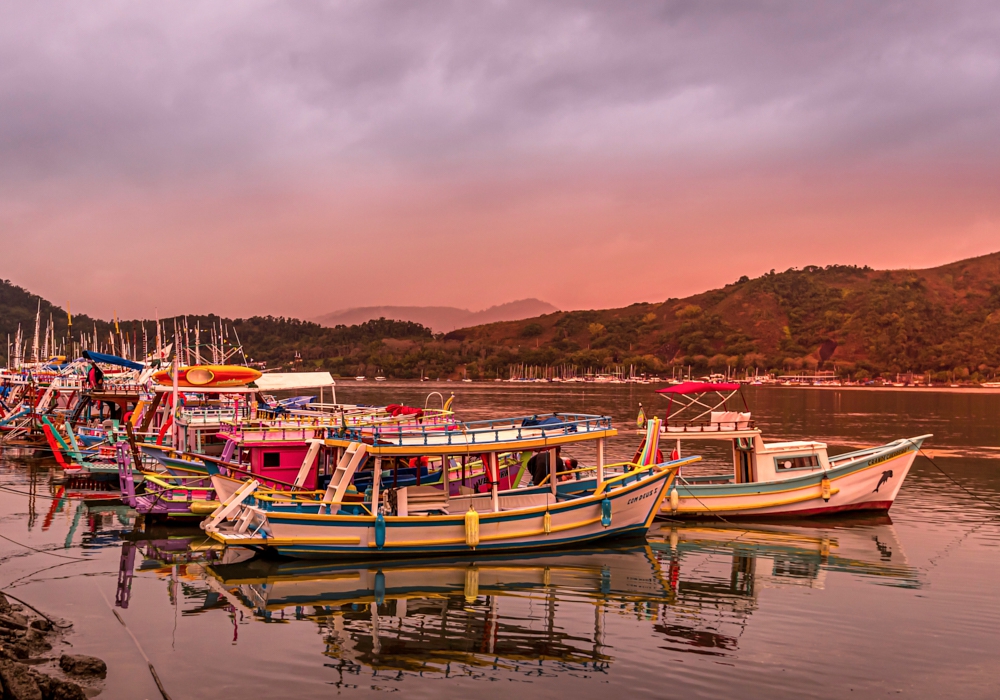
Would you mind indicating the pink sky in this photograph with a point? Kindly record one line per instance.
(260, 158)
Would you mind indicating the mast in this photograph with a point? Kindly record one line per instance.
(38, 323)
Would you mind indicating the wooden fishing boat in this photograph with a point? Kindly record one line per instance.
(776, 479)
(428, 520)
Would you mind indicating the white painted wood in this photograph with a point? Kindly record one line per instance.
(307, 463)
(349, 463)
(600, 461)
(230, 505)
(553, 470)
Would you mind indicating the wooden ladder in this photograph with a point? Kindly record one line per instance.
(307, 463)
(352, 459)
(229, 506)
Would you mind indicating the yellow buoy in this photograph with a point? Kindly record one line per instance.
(472, 527)
(547, 522)
(675, 500)
(824, 487)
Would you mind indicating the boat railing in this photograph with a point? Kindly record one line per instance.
(633, 471)
(273, 434)
(485, 432)
(708, 426)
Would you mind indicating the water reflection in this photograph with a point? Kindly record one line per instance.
(427, 615)
(695, 587)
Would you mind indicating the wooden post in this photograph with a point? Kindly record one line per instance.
(600, 461)
(445, 476)
(553, 468)
(376, 482)
(494, 466)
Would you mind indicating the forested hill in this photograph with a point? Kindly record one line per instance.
(275, 341)
(858, 321)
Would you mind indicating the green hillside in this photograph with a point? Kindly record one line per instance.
(857, 321)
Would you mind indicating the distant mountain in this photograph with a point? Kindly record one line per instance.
(440, 319)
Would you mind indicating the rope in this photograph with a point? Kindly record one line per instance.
(51, 621)
(42, 551)
(149, 663)
(952, 479)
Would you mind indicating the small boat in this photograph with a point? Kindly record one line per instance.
(797, 478)
(360, 378)
(428, 520)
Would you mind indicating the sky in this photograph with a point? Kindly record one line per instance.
(295, 158)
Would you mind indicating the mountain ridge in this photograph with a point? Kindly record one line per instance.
(857, 321)
(440, 319)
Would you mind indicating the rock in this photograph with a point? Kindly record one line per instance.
(42, 625)
(55, 689)
(14, 621)
(18, 681)
(4, 603)
(16, 651)
(81, 665)
(36, 641)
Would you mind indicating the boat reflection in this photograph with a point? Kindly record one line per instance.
(715, 572)
(427, 615)
(696, 587)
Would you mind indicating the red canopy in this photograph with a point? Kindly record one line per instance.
(699, 387)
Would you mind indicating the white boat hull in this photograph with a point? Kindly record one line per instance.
(869, 483)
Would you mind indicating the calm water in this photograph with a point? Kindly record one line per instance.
(902, 605)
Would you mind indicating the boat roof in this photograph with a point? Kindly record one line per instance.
(699, 387)
(284, 381)
(518, 433)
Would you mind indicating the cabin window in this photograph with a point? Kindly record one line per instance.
(271, 459)
(803, 462)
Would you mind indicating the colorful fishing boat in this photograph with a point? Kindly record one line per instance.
(775, 479)
(426, 520)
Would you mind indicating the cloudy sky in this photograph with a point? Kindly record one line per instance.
(299, 157)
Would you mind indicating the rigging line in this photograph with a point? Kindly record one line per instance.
(42, 551)
(51, 621)
(32, 495)
(149, 663)
(952, 479)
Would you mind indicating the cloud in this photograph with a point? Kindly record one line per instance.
(300, 127)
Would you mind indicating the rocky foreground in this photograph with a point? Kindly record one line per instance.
(28, 670)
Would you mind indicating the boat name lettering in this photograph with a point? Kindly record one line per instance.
(641, 496)
(888, 455)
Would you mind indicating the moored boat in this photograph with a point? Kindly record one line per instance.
(776, 479)
(426, 520)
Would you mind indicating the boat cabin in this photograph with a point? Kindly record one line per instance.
(694, 414)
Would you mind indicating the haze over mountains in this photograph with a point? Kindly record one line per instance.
(440, 319)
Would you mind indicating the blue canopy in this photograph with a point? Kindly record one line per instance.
(110, 359)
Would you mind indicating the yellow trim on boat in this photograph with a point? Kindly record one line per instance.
(752, 506)
(460, 518)
(797, 488)
(279, 541)
(490, 538)
(514, 444)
